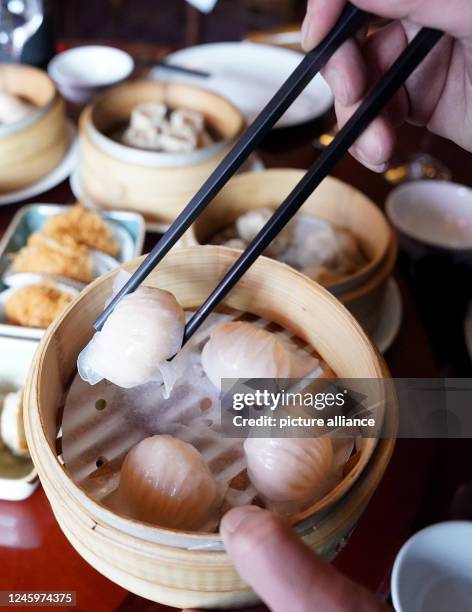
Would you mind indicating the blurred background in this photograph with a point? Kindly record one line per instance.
(175, 24)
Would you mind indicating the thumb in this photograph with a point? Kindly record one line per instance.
(284, 572)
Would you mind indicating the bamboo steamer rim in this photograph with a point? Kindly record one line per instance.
(113, 108)
(291, 176)
(45, 455)
(31, 84)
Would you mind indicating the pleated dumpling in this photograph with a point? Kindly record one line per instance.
(165, 481)
(145, 329)
(290, 469)
(238, 349)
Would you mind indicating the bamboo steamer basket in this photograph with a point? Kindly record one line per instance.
(31, 148)
(189, 569)
(155, 184)
(333, 201)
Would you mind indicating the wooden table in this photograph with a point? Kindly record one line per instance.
(34, 554)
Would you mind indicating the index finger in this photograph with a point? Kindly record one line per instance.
(320, 17)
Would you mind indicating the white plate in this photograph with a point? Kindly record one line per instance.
(56, 176)
(253, 164)
(390, 319)
(249, 74)
(18, 331)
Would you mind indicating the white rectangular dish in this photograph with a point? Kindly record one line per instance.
(18, 477)
(128, 230)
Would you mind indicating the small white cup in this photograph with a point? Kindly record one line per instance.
(433, 570)
(82, 72)
(436, 213)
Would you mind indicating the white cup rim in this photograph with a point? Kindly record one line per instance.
(405, 550)
(414, 232)
(60, 77)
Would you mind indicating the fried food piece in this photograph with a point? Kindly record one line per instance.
(85, 227)
(60, 256)
(36, 305)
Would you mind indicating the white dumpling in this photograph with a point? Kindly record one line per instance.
(145, 329)
(177, 143)
(296, 470)
(13, 109)
(237, 349)
(165, 481)
(320, 247)
(251, 223)
(185, 121)
(11, 424)
(143, 139)
(148, 116)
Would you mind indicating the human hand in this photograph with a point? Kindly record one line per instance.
(284, 572)
(437, 95)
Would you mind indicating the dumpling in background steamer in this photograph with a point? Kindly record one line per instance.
(165, 481)
(152, 126)
(329, 247)
(237, 349)
(148, 116)
(13, 109)
(298, 470)
(251, 223)
(319, 247)
(145, 329)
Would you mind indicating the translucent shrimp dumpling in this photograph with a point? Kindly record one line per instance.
(238, 349)
(166, 481)
(296, 470)
(145, 329)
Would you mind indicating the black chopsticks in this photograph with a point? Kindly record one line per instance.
(411, 57)
(348, 23)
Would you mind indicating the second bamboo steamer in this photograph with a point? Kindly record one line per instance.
(335, 202)
(155, 184)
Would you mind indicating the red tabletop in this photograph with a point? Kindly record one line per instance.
(34, 555)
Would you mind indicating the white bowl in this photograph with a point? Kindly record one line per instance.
(433, 570)
(82, 72)
(437, 213)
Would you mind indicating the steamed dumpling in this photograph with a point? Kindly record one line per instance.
(329, 247)
(251, 223)
(290, 469)
(13, 109)
(145, 329)
(165, 481)
(238, 349)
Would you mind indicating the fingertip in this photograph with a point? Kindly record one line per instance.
(234, 518)
(374, 147)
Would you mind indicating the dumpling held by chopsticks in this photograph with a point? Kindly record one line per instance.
(145, 329)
